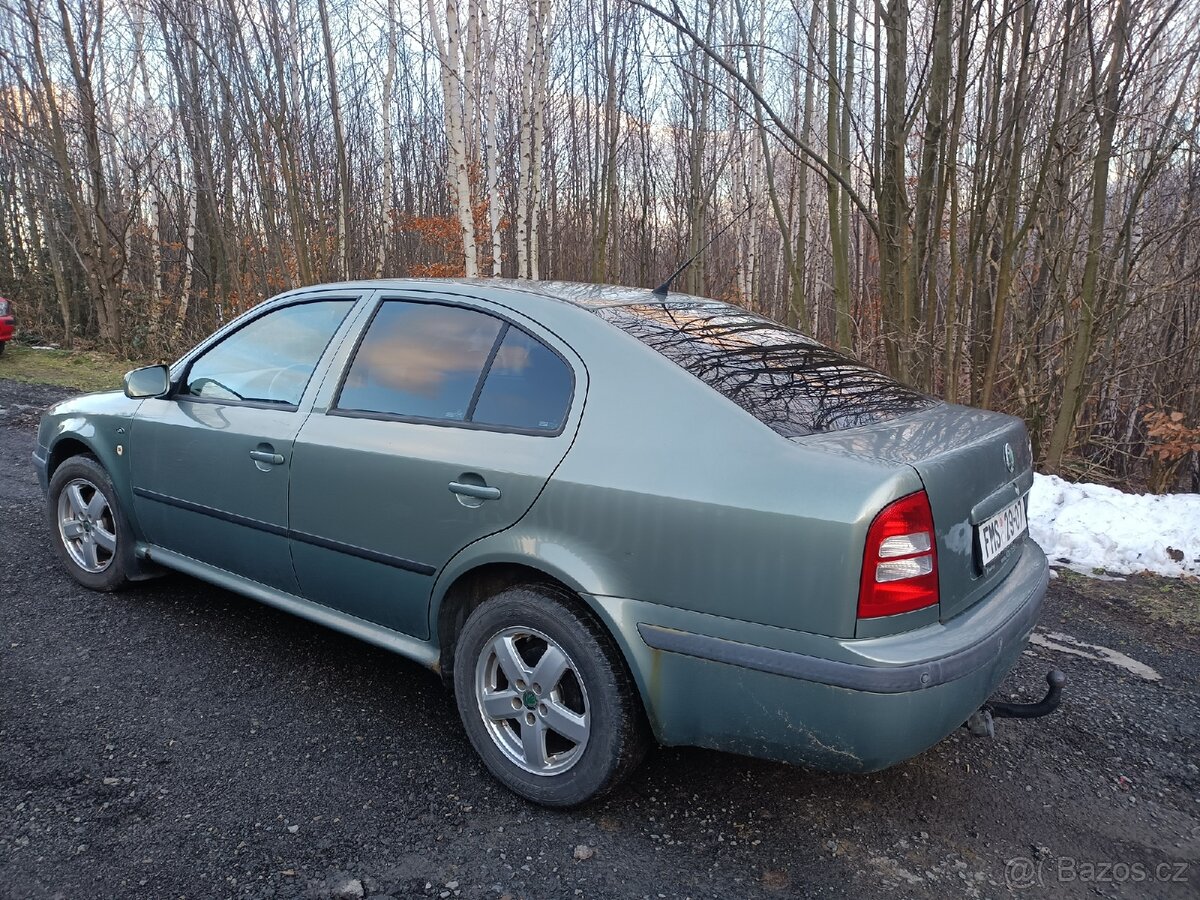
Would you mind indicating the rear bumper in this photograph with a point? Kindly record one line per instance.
(838, 704)
(7, 326)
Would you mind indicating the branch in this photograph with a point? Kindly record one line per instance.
(811, 157)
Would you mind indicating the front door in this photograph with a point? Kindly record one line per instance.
(447, 425)
(210, 463)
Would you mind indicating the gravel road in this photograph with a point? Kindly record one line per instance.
(175, 740)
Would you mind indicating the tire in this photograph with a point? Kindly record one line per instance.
(89, 528)
(593, 700)
(3, 344)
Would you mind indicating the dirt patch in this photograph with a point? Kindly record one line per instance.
(186, 740)
(1169, 601)
(22, 405)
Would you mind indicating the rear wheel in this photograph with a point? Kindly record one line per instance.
(546, 699)
(86, 521)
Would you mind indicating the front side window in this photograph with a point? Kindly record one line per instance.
(269, 360)
(438, 363)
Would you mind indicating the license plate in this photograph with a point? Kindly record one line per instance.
(1001, 530)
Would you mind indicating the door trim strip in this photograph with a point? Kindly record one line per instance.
(398, 562)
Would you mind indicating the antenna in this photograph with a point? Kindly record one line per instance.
(661, 290)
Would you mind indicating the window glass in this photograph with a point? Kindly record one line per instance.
(420, 360)
(528, 386)
(787, 380)
(270, 359)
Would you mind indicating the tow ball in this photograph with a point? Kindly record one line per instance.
(980, 724)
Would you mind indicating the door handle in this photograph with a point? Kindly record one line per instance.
(266, 456)
(478, 491)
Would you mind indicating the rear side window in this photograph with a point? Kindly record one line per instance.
(528, 386)
(420, 360)
(451, 364)
(785, 379)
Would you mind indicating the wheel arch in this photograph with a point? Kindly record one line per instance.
(472, 585)
(68, 443)
(64, 448)
(461, 589)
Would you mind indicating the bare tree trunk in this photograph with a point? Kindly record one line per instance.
(185, 286)
(893, 195)
(801, 303)
(1075, 385)
(611, 130)
(525, 154)
(839, 229)
(925, 230)
(389, 144)
(492, 151)
(453, 84)
(339, 143)
(542, 65)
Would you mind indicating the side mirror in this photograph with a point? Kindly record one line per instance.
(151, 381)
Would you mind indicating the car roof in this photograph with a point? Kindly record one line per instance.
(586, 296)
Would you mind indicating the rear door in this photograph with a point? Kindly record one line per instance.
(210, 462)
(448, 420)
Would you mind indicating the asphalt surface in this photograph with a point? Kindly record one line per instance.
(175, 740)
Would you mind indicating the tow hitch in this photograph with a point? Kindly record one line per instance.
(980, 723)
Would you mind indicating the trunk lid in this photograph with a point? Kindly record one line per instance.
(960, 454)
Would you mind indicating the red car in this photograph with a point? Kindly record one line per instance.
(7, 323)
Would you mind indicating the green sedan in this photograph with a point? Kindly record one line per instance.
(606, 516)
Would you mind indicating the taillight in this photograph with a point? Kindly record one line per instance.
(899, 571)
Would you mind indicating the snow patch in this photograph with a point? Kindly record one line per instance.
(1064, 643)
(1092, 528)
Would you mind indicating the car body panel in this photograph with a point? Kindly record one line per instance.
(198, 492)
(400, 471)
(197, 489)
(653, 504)
(752, 708)
(420, 651)
(959, 454)
(677, 517)
(100, 422)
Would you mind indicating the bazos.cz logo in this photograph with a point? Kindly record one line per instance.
(1024, 872)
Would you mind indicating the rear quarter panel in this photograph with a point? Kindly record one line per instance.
(957, 452)
(672, 494)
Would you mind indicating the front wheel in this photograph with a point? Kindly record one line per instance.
(546, 699)
(85, 518)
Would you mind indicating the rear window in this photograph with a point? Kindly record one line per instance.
(783, 378)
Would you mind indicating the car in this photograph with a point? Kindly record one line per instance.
(7, 323)
(606, 516)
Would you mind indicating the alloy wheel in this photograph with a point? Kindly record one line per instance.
(87, 525)
(532, 701)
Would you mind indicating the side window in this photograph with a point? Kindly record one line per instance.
(420, 360)
(271, 359)
(528, 386)
(453, 364)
